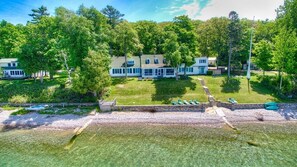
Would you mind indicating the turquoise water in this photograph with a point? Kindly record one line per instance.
(152, 145)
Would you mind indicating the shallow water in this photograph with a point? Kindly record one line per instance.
(152, 145)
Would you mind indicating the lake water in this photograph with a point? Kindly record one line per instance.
(152, 145)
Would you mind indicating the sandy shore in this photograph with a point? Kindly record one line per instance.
(209, 118)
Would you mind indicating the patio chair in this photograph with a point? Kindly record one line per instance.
(186, 102)
(196, 102)
(180, 102)
(191, 102)
(174, 103)
(232, 100)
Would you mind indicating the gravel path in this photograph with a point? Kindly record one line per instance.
(209, 118)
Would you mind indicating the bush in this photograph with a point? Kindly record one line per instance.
(18, 99)
(209, 73)
(20, 112)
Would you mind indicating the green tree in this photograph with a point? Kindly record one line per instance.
(172, 51)
(93, 76)
(11, 38)
(76, 36)
(285, 53)
(263, 55)
(212, 38)
(150, 36)
(127, 41)
(114, 16)
(38, 14)
(234, 34)
(99, 22)
(187, 39)
(40, 48)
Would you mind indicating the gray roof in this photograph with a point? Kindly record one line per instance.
(8, 60)
(119, 62)
(152, 63)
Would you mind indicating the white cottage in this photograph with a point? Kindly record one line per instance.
(154, 66)
(10, 69)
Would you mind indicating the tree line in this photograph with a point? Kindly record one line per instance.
(85, 40)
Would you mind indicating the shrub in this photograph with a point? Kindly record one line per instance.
(20, 112)
(209, 73)
(18, 99)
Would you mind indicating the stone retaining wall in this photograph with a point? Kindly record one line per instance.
(253, 106)
(51, 104)
(162, 108)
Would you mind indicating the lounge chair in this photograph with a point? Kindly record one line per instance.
(196, 102)
(180, 102)
(271, 108)
(270, 104)
(186, 102)
(232, 100)
(191, 102)
(174, 103)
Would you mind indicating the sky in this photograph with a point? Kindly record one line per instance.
(16, 11)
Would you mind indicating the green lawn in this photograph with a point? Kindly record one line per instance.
(134, 92)
(238, 89)
(30, 91)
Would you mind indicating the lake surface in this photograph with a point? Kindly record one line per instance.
(152, 145)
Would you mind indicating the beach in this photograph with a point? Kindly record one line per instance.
(209, 118)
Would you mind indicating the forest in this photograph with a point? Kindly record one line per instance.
(83, 41)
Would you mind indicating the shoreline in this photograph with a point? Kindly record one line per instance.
(205, 119)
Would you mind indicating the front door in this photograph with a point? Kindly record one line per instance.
(201, 70)
(159, 72)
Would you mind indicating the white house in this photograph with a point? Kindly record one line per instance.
(154, 66)
(212, 61)
(10, 68)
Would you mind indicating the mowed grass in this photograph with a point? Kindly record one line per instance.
(133, 92)
(238, 89)
(20, 91)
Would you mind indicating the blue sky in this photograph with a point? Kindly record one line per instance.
(16, 11)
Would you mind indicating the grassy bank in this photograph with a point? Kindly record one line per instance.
(21, 91)
(163, 91)
(238, 89)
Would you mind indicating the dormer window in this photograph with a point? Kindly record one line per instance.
(9, 64)
(13, 64)
(130, 62)
(147, 61)
(164, 61)
(156, 61)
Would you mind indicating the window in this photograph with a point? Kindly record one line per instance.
(13, 64)
(9, 64)
(129, 70)
(169, 71)
(147, 61)
(156, 61)
(130, 63)
(164, 61)
(21, 72)
(148, 72)
(116, 71)
(202, 61)
(17, 72)
(11, 72)
(136, 70)
(191, 69)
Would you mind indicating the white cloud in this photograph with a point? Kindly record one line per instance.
(261, 9)
(192, 9)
